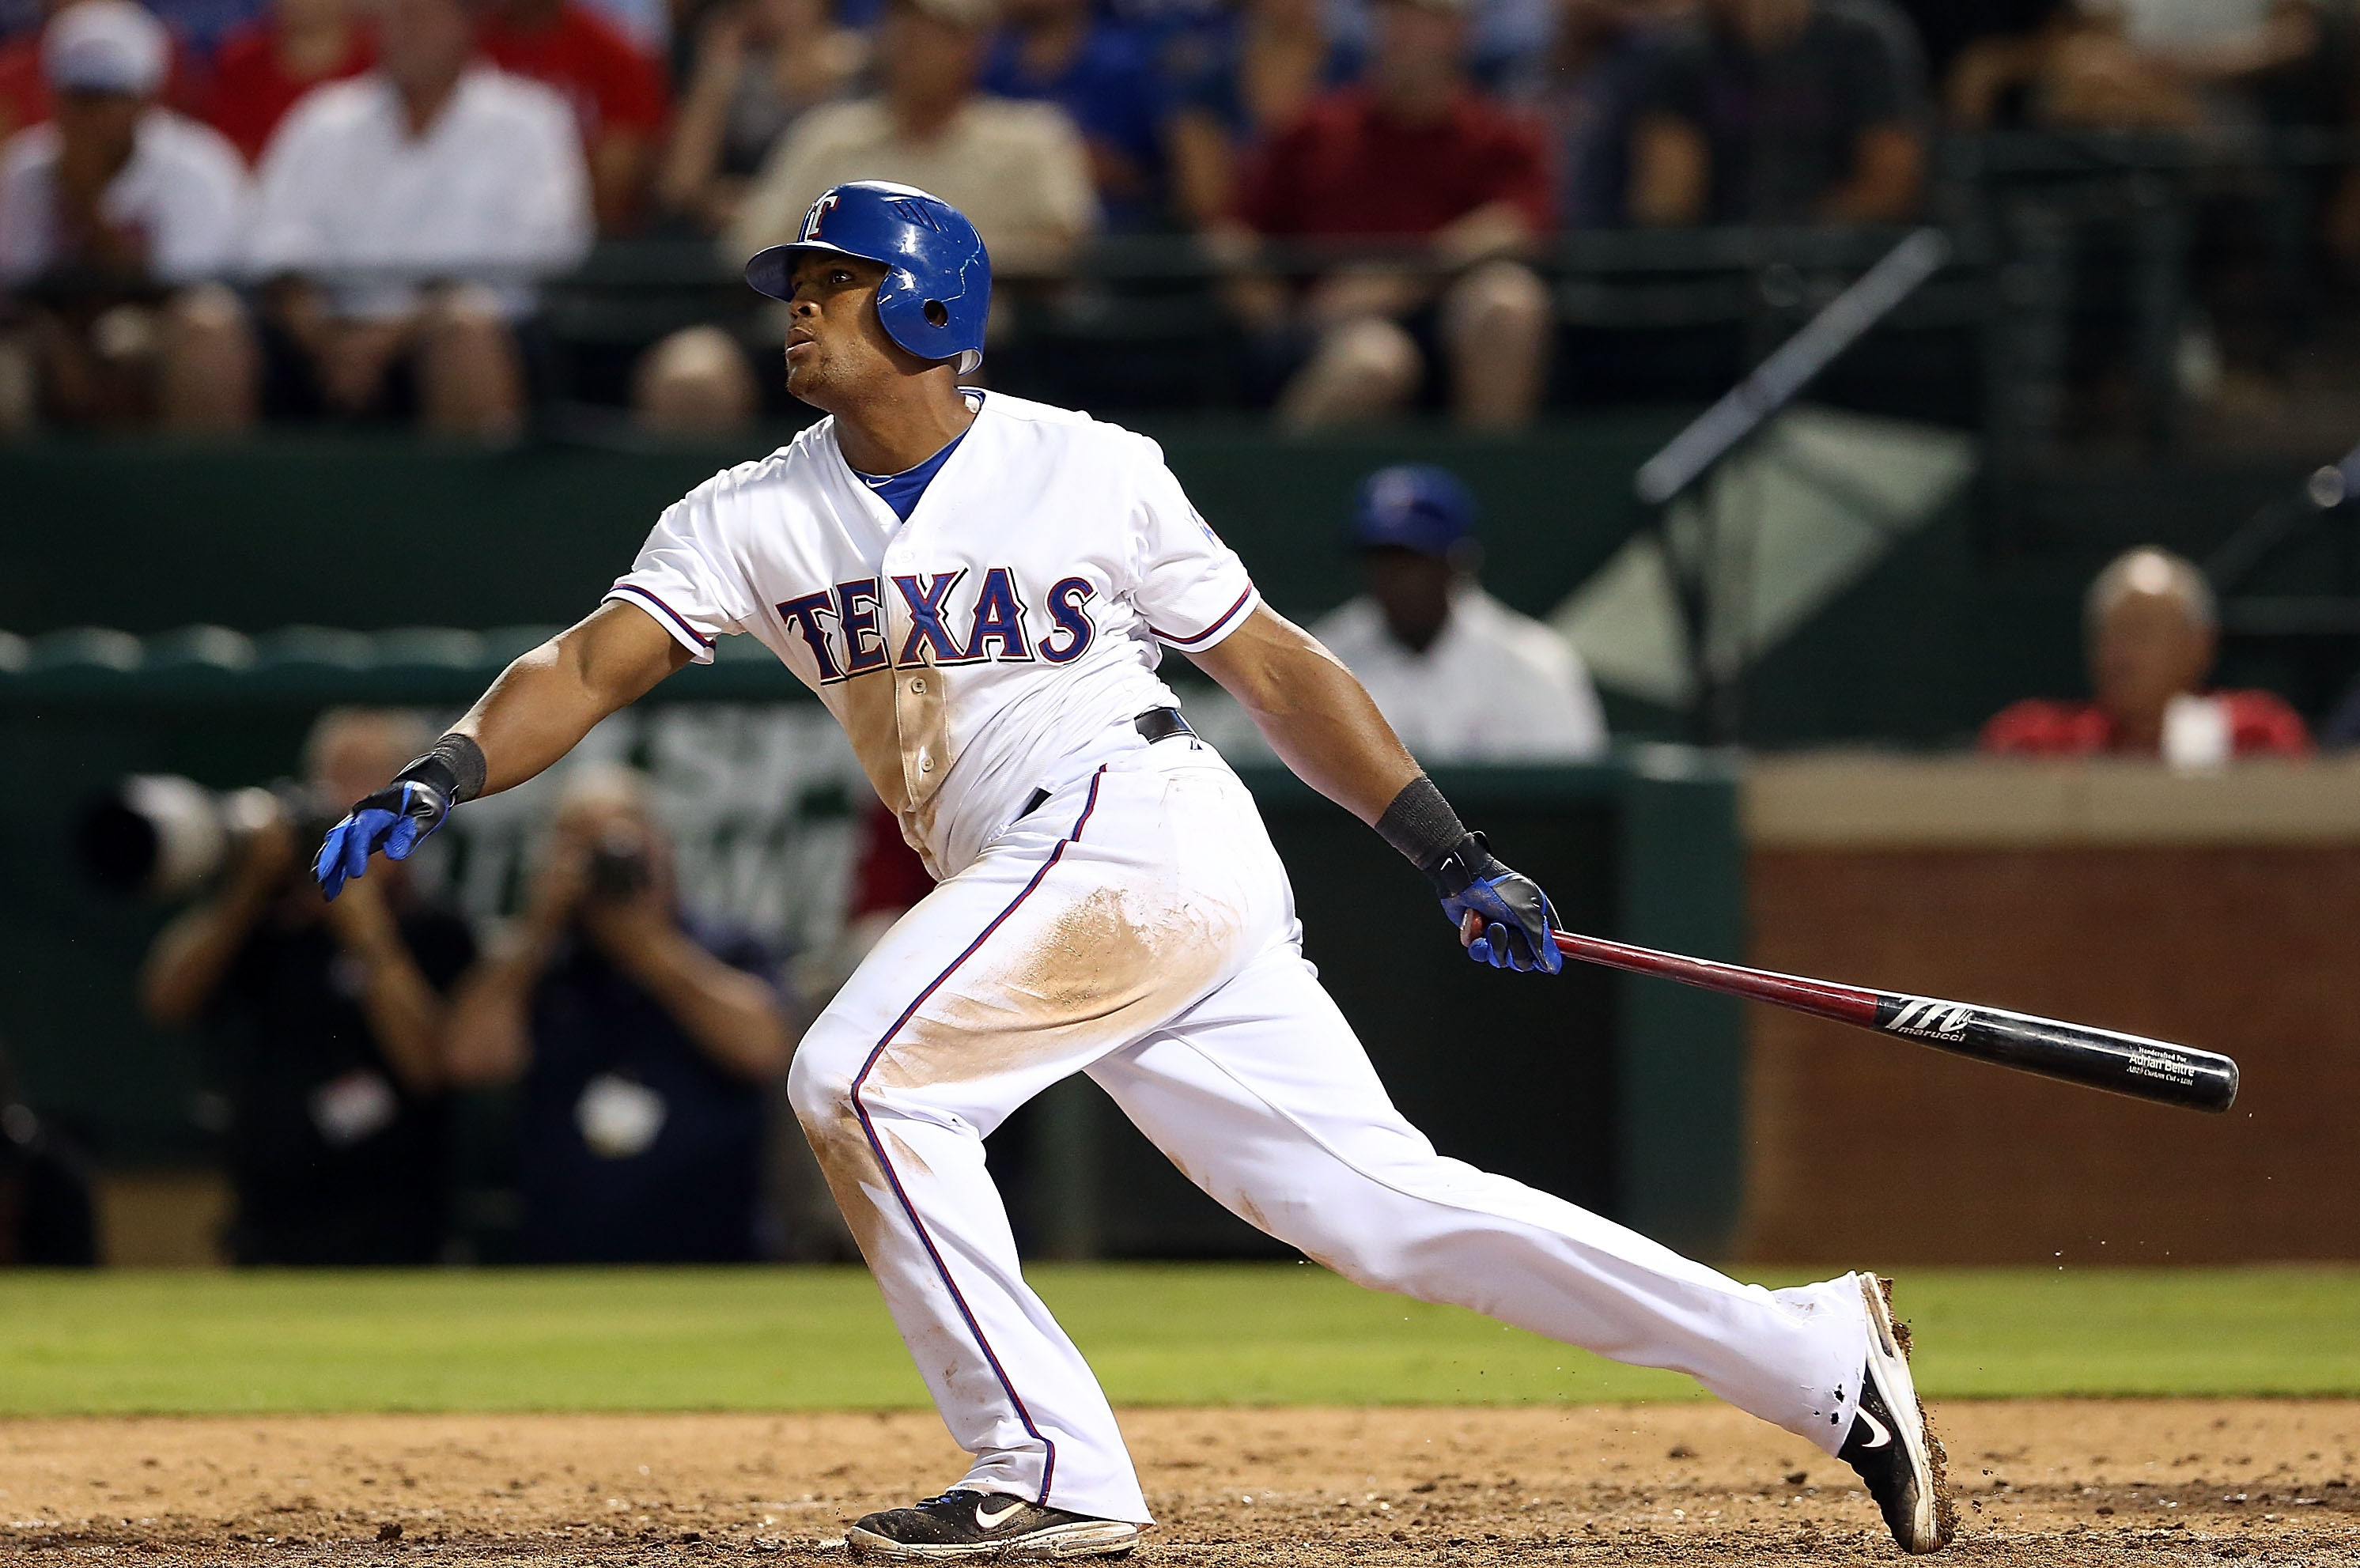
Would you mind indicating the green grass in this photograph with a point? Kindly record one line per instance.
(777, 1339)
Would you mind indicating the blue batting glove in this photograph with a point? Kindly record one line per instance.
(1516, 920)
(394, 819)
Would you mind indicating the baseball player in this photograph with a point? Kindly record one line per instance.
(980, 589)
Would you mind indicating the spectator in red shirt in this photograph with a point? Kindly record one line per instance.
(617, 92)
(1413, 153)
(266, 65)
(23, 94)
(2152, 631)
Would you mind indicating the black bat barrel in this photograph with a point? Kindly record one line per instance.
(2102, 1059)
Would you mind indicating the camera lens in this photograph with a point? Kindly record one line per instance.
(115, 846)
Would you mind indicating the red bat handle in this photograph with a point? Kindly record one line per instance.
(1845, 1004)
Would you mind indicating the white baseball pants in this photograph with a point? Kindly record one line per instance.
(1139, 927)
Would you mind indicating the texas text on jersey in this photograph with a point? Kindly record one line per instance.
(973, 652)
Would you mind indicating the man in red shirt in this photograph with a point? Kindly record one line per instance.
(24, 95)
(2152, 631)
(1411, 153)
(619, 95)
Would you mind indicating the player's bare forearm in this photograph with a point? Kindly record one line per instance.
(543, 704)
(1313, 712)
(537, 710)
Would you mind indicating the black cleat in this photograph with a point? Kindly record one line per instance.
(992, 1525)
(1891, 1444)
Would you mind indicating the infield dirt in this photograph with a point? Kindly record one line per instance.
(2118, 1482)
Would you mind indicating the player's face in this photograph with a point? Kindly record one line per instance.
(836, 348)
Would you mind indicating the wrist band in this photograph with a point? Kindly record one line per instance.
(1421, 824)
(455, 767)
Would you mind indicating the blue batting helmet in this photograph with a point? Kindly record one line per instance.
(1416, 506)
(937, 289)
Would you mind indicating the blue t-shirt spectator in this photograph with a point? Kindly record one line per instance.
(1785, 125)
(1586, 91)
(643, 1045)
(1104, 77)
(1503, 36)
(20, 16)
(1203, 67)
(633, 1144)
(201, 25)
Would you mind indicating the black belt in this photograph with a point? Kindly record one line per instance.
(1156, 724)
(1160, 724)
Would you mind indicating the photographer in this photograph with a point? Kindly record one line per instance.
(642, 1044)
(333, 1017)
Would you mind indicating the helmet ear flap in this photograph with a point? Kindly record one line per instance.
(902, 312)
(919, 323)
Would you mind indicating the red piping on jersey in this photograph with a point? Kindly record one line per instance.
(678, 619)
(1208, 631)
(1049, 1468)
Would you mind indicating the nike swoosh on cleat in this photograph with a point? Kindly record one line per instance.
(1879, 1433)
(986, 1520)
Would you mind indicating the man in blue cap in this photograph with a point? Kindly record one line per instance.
(1459, 676)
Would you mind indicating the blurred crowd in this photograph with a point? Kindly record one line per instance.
(214, 211)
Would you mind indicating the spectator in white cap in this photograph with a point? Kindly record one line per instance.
(405, 215)
(25, 91)
(119, 223)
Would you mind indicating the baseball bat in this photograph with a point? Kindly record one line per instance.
(2078, 1053)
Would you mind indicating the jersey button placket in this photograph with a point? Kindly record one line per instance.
(919, 717)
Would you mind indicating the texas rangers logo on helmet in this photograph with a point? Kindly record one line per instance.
(819, 210)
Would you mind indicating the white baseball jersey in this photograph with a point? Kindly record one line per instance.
(980, 651)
